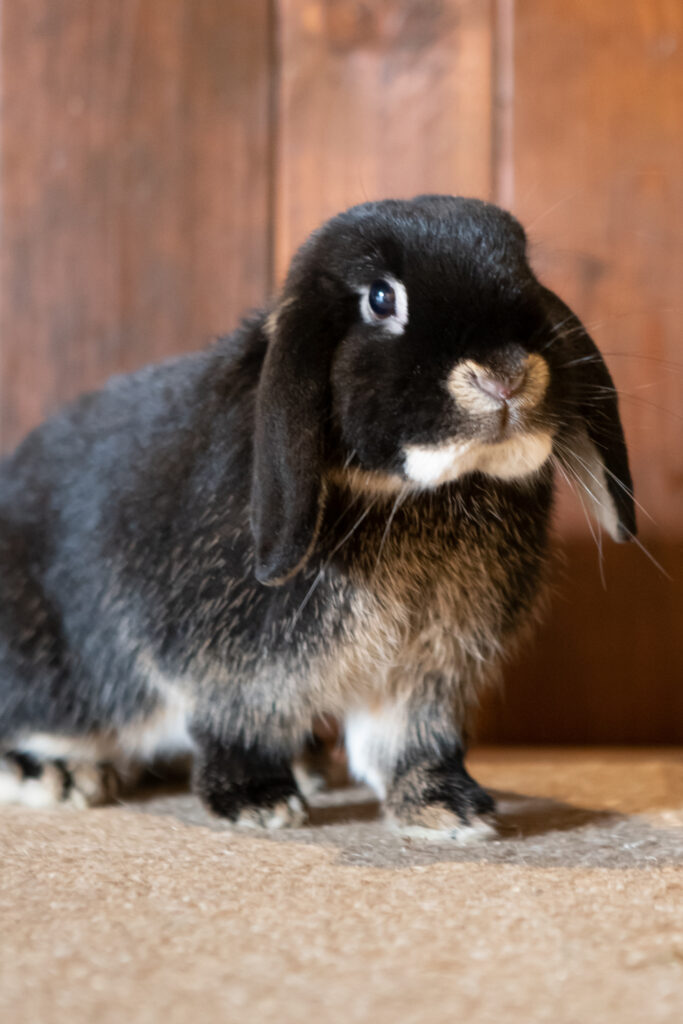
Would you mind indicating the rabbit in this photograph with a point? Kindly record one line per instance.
(342, 508)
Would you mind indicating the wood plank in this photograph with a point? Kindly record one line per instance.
(597, 165)
(597, 129)
(607, 664)
(134, 197)
(385, 99)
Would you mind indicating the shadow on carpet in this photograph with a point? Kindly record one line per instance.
(533, 831)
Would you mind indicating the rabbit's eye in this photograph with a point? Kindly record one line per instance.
(384, 305)
(382, 299)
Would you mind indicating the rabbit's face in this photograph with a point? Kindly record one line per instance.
(442, 368)
(412, 345)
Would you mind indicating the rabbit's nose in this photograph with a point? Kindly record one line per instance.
(487, 388)
(501, 386)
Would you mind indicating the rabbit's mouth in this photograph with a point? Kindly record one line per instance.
(500, 403)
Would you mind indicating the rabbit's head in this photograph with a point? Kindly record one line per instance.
(411, 345)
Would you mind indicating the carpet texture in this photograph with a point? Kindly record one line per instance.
(153, 911)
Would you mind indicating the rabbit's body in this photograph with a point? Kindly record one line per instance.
(131, 622)
(133, 665)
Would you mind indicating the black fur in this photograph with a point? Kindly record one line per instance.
(231, 779)
(136, 524)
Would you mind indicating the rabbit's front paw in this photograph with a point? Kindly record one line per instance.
(253, 788)
(440, 801)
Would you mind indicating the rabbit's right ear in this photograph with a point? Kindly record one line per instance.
(597, 455)
(291, 411)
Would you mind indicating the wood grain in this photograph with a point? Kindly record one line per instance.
(608, 662)
(597, 129)
(162, 159)
(379, 99)
(597, 168)
(134, 195)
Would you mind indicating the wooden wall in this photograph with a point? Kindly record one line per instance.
(135, 187)
(161, 159)
(595, 129)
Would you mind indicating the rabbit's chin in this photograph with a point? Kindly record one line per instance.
(426, 466)
(513, 458)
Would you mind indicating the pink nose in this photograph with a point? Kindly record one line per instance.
(501, 386)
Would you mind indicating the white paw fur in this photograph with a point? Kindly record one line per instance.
(448, 827)
(289, 813)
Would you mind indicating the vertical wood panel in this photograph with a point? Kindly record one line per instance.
(379, 99)
(598, 160)
(135, 187)
(597, 128)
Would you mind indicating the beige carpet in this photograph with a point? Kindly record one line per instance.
(151, 911)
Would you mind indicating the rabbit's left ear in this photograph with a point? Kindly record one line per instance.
(597, 453)
(291, 410)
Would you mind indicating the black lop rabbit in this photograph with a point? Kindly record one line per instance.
(341, 508)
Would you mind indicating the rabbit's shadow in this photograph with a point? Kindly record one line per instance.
(518, 815)
(531, 830)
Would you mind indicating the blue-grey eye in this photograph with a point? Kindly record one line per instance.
(382, 299)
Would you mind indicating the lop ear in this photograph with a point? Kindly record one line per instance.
(598, 451)
(291, 410)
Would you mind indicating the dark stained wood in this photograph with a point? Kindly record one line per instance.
(379, 99)
(597, 151)
(134, 196)
(608, 663)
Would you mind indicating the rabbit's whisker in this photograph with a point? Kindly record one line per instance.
(555, 333)
(668, 363)
(608, 392)
(560, 332)
(571, 481)
(613, 476)
(632, 536)
(349, 458)
(613, 391)
(554, 206)
(638, 543)
(400, 498)
(565, 455)
(581, 359)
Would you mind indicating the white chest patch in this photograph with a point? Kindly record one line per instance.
(517, 457)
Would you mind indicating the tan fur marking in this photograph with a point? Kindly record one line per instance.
(365, 481)
(514, 458)
(271, 323)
